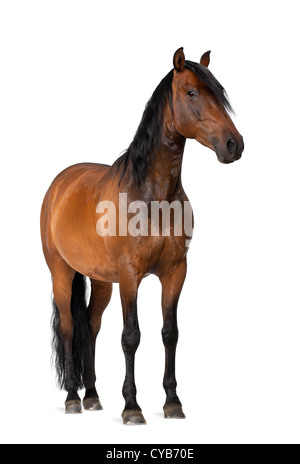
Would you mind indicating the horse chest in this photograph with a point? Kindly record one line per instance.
(154, 254)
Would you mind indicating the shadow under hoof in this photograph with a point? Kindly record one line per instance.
(73, 407)
(173, 411)
(133, 418)
(92, 404)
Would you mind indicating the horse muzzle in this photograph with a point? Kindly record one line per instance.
(231, 152)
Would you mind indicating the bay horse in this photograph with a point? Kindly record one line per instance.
(188, 103)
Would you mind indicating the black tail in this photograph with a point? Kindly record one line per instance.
(81, 338)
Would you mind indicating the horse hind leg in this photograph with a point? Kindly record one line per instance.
(100, 297)
(70, 332)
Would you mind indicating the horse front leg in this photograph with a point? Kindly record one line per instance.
(132, 414)
(171, 288)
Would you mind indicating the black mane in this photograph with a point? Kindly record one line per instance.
(211, 82)
(148, 135)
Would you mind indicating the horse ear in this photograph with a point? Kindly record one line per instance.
(205, 59)
(179, 60)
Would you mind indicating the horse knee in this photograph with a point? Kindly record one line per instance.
(170, 335)
(131, 339)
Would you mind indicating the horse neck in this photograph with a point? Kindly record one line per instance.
(163, 180)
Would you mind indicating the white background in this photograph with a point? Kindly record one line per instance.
(75, 77)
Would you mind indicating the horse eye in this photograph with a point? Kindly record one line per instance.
(192, 93)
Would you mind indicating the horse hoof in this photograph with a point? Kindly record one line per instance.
(73, 407)
(92, 404)
(173, 411)
(133, 418)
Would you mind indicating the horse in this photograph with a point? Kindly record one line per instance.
(189, 103)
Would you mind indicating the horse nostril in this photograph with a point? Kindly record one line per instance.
(231, 145)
